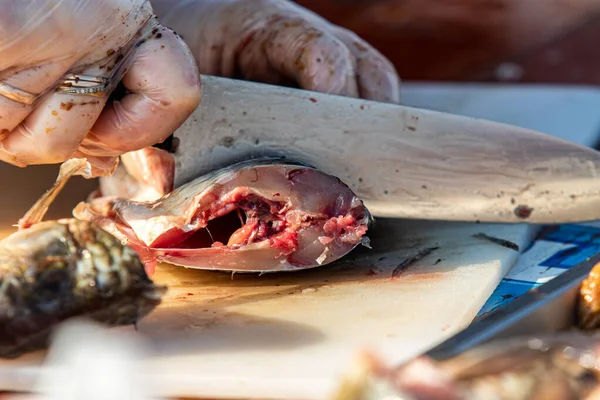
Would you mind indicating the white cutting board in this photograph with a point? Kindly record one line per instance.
(290, 336)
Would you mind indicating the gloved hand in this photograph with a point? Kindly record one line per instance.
(269, 41)
(279, 42)
(43, 40)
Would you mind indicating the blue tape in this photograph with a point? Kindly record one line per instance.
(573, 234)
(586, 242)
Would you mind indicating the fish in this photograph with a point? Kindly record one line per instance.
(262, 215)
(561, 366)
(52, 271)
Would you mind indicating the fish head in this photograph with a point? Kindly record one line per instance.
(58, 269)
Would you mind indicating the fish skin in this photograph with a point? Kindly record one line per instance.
(289, 188)
(56, 270)
(563, 366)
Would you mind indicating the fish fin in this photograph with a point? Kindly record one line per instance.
(74, 166)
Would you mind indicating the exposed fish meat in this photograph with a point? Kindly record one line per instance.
(254, 216)
(565, 366)
(56, 270)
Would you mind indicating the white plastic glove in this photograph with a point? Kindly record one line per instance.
(279, 42)
(269, 41)
(42, 40)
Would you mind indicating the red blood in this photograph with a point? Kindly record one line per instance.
(245, 42)
(295, 172)
(286, 241)
(170, 238)
(344, 228)
(523, 211)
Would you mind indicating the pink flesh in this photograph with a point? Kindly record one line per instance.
(295, 216)
(151, 166)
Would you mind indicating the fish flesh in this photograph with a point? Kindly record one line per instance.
(564, 366)
(52, 271)
(260, 215)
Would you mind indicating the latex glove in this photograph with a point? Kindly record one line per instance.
(42, 40)
(270, 41)
(279, 42)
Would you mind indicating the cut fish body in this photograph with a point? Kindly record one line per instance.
(295, 218)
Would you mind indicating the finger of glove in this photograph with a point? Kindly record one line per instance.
(314, 58)
(377, 78)
(151, 166)
(53, 130)
(33, 80)
(165, 86)
(37, 31)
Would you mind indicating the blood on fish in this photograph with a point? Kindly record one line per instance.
(228, 220)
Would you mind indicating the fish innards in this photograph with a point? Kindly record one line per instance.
(255, 216)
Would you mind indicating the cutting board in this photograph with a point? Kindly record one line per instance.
(290, 335)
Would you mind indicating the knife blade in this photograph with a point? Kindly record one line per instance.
(404, 162)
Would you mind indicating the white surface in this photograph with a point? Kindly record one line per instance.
(289, 336)
(292, 335)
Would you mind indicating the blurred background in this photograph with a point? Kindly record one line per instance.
(550, 41)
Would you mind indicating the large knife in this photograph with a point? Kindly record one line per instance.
(403, 162)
